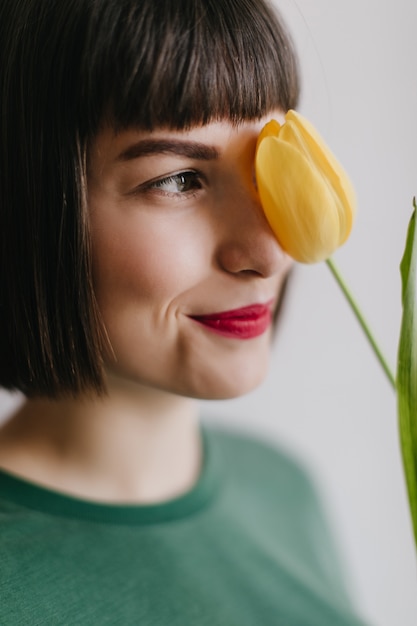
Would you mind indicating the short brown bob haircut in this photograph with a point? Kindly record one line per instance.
(66, 66)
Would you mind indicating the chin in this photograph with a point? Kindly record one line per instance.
(226, 386)
(215, 377)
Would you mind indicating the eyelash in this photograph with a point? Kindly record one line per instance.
(191, 182)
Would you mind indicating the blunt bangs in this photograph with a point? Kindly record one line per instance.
(186, 62)
(66, 68)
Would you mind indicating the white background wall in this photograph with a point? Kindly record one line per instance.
(326, 397)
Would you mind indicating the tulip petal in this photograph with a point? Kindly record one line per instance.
(323, 158)
(298, 204)
(271, 129)
(305, 193)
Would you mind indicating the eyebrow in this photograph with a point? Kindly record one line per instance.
(190, 149)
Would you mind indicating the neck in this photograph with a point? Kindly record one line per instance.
(134, 445)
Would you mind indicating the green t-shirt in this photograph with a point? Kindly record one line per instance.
(247, 546)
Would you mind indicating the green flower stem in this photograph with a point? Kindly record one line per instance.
(361, 321)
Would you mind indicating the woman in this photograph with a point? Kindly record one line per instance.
(138, 273)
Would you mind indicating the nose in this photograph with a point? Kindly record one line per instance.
(248, 245)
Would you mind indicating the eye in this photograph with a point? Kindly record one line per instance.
(181, 183)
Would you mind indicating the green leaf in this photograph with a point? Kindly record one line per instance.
(406, 262)
(407, 368)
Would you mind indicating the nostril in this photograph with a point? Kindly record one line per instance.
(250, 272)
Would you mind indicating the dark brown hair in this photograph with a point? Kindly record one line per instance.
(65, 66)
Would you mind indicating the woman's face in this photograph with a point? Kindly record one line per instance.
(186, 268)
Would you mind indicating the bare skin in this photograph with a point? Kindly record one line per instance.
(132, 446)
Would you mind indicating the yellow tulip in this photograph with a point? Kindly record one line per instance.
(306, 195)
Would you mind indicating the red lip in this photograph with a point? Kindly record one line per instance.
(245, 323)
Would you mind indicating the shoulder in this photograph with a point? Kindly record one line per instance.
(253, 455)
(282, 500)
(266, 474)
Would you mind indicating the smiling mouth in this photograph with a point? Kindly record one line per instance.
(245, 323)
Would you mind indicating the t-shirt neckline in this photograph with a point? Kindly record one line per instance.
(50, 502)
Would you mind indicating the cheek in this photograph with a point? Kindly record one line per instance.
(149, 259)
